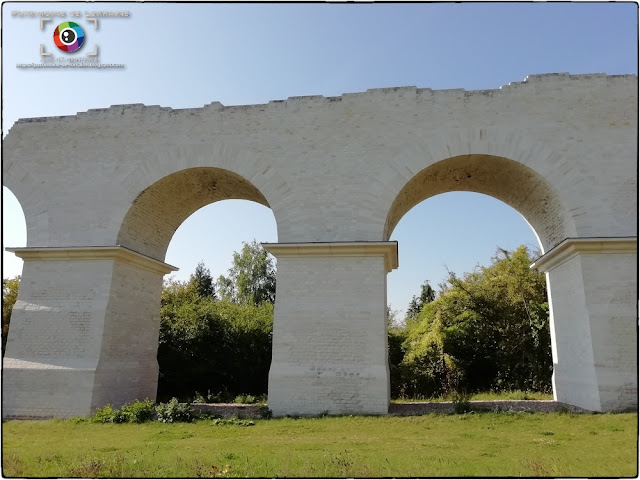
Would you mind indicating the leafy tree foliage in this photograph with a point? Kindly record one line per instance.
(216, 346)
(10, 288)
(396, 337)
(252, 278)
(207, 345)
(486, 331)
(203, 282)
(427, 294)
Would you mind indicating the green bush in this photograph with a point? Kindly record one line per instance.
(104, 414)
(212, 345)
(199, 398)
(249, 399)
(119, 417)
(139, 411)
(173, 412)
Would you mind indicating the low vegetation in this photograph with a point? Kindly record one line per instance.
(486, 396)
(477, 444)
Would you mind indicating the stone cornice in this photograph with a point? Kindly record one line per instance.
(388, 250)
(117, 253)
(530, 82)
(570, 247)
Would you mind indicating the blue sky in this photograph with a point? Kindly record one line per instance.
(189, 55)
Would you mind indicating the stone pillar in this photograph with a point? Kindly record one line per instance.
(84, 331)
(330, 349)
(593, 289)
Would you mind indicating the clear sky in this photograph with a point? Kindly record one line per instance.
(189, 55)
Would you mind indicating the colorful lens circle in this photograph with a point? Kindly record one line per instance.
(68, 36)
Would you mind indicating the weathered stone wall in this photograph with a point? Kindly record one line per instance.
(128, 367)
(330, 334)
(331, 168)
(84, 332)
(593, 290)
(561, 149)
(56, 333)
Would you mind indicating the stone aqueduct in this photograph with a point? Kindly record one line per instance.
(104, 191)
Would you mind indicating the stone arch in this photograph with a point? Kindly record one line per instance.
(132, 308)
(338, 173)
(532, 194)
(503, 164)
(161, 208)
(511, 182)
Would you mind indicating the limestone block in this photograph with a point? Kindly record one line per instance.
(330, 329)
(84, 332)
(594, 287)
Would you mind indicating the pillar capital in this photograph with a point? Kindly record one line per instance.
(388, 250)
(570, 247)
(115, 252)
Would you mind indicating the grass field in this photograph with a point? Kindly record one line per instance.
(480, 444)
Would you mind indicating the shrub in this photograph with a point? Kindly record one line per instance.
(250, 399)
(104, 414)
(199, 398)
(217, 345)
(139, 411)
(175, 412)
(119, 417)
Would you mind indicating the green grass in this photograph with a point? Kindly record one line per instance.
(486, 444)
(514, 395)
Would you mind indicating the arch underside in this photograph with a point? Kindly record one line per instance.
(160, 209)
(509, 181)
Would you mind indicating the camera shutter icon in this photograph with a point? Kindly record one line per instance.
(68, 36)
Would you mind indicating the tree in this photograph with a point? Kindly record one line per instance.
(395, 339)
(488, 330)
(392, 318)
(427, 294)
(176, 293)
(203, 282)
(252, 278)
(209, 345)
(10, 288)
